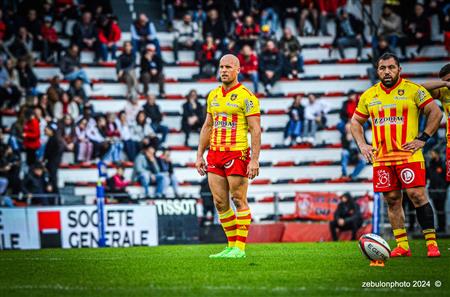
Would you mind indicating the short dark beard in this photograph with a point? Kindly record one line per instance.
(389, 85)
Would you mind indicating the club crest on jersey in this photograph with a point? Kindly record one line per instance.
(233, 97)
(400, 92)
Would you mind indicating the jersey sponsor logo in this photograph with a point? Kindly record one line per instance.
(232, 105)
(248, 105)
(214, 102)
(374, 102)
(421, 94)
(384, 179)
(388, 121)
(224, 124)
(228, 164)
(407, 175)
(400, 98)
(233, 97)
(389, 106)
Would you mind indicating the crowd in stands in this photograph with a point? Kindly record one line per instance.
(64, 120)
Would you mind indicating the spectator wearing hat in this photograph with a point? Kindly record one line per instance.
(54, 150)
(50, 44)
(346, 217)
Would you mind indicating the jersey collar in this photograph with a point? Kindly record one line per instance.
(388, 91)
(224, 93)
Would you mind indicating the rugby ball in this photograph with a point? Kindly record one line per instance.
(374, 247)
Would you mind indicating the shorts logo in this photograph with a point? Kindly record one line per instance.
(448, 168)
(384, 180)
(228, 164)
(407, 175)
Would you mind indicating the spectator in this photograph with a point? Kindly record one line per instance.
(40, 116)
(31, 136)
(44, 103)
(390, 27)
(146, 171)
(315, 111)
(247, 32)
(78, 94)
(66, 107)
(54, 150)
(349, 33)
(418, 28)
(215, 27)
(207, 58)
(85, 34)
(27, 78)
(328, 9)
(293, 130)
(346, 217)
(350, 154)
(109, 35)
(166, 167)
(193, 115)
(50, 44)
(265, 36)
(153, 112)
(152, 69)
(186, 36)
(54, 91)
(382, 47)
(132, 109)
(347, 110)
(125, 69)
(125, 135)
(207, 202)
(308, 10)
(113, 135)
(85, 148)
(9, 167)
(140, 129)
(71, 67)
(36, 185)
(67, 131)
(21, 47)
(106, 144)
(143, 32)
(446, 29)
(291, 49)
(270, 66)
(437, 187)
(269, 14)
(10, 95)
(16, 131)
(117, 185)
(249, 66)
(291, 9)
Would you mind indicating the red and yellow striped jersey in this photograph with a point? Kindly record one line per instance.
(394, 114)
(444, 97)
(229, 110)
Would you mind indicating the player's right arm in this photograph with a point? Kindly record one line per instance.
(205, 136)
(357, 122)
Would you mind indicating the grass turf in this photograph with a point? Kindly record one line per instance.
(300, 269)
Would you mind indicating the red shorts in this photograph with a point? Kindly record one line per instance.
(397, 177)
(228, 163)
(447, 161)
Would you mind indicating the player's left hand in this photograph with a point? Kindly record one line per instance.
(253, 169)
(414, 145)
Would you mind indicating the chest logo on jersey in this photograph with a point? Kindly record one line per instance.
(232, 105)
(233, 97)
(374, 102)
(388, 121)
(214, 102)
(400, 92)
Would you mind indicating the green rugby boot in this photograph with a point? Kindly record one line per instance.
(222, 254)
(235, 253)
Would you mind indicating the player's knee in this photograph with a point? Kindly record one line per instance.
(417, 197)
(221, 206)
(393, 201)
(239, 202)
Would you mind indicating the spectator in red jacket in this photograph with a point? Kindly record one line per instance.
(50, 44)
(208, 57)
(117, 185)
(328, 9)
(31, 136)
(249, 66)
(109, 35)
(2, 27)
(247, 32)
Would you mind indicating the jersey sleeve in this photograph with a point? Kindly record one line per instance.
(208, 101)
(362, 110)
(251, 106)
(422, 97)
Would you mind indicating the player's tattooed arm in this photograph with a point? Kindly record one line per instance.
(357, 129)
(205, 135)
(254, 124)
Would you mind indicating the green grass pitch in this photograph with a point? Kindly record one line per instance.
(297, 269)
